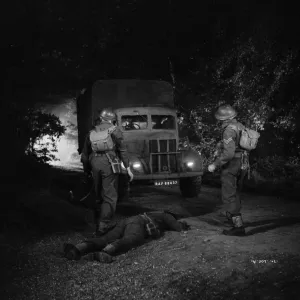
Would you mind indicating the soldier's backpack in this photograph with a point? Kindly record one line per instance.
(102, 140)
(248, 137)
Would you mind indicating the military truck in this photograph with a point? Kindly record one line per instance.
(147, 116)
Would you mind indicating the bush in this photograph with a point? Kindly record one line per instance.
(277, 168)
(272, 175)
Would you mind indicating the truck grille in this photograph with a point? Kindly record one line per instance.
(163, 156)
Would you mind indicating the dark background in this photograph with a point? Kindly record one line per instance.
(53, 49)
(242, 52)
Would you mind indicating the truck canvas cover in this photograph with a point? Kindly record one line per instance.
(123, 93)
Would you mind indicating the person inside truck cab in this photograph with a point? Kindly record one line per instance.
(163, 122)
(130, 124)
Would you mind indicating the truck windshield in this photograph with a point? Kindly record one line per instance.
(135, 122)
(163, 122)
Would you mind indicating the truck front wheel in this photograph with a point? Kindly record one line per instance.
(190, 186)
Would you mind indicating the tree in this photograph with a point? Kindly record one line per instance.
(250, 76)
(40, 132)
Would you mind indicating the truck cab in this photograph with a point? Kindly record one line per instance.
(150, 132)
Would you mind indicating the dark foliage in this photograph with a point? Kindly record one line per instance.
(239, 52)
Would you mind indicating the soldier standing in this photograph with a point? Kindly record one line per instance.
(229, 158)
(103, 152)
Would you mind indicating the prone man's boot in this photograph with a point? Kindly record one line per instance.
(100, 256)
(238, 228)
(72, 252)
(104, 256)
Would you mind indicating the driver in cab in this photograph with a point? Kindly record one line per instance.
(129, 124)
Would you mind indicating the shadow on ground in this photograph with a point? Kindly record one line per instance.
(265, 225)
(254, 227)
(183, 208)
(141, 190)
(131, 209)
(194, 209)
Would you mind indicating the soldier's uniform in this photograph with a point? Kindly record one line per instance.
(127, 234)
(229, 159)
(105, 180)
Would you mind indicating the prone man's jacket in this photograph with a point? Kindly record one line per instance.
(229, 146)
(120, 147)
(164, 221)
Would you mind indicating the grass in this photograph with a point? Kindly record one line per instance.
(168, 268)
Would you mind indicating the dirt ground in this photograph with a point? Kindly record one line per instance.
(198, 264)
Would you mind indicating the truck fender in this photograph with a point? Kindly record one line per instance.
(191, 155)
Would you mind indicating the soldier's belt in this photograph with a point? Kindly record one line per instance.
(115, 164)
(146, 218)
(100, 153)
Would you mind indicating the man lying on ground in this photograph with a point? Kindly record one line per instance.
(127, 234)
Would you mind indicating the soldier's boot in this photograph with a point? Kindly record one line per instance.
(95, 234)
(96, 219)
(103, 227)
(238, 228)
(228, 216)
(72, 252)
(223, 217)
(101, 257)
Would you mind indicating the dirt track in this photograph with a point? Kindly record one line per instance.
(198, 264)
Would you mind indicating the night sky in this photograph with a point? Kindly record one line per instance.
(53, 49)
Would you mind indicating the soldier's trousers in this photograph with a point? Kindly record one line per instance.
(106, 187)
(127, 234)
(232, 180)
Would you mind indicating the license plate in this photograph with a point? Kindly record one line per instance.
(165, 182)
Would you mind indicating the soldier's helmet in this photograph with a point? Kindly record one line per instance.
(107, 114)
(225, 112)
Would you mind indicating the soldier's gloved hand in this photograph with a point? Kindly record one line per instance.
(184, 225)
(212, 167)
(130, 174)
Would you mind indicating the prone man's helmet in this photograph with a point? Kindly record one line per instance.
(225, 112)
(107, 114)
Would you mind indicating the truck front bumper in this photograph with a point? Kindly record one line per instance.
(163, 176)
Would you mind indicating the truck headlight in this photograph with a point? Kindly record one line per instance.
(190, 164)
(136, 165)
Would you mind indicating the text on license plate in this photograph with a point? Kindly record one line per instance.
(166, 182)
